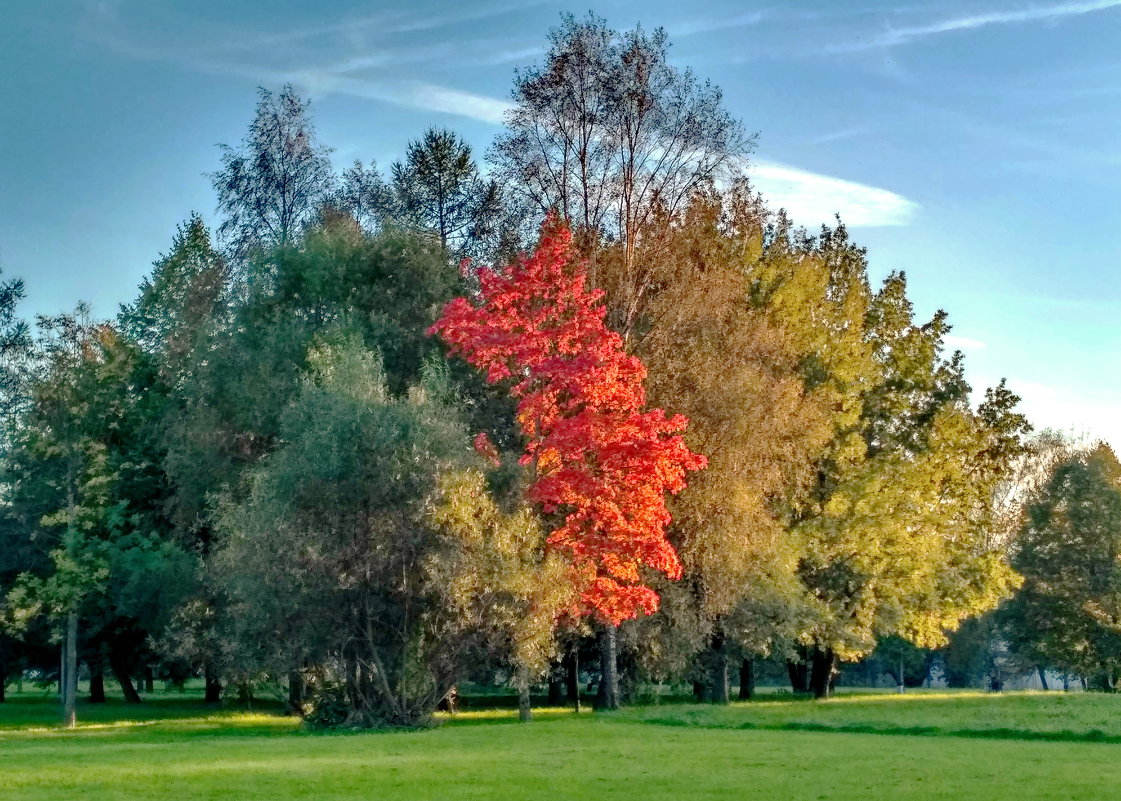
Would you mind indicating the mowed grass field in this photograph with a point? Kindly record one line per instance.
(934, 745)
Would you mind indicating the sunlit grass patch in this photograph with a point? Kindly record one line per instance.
(1021, 715)
(481, 754)
(475, 717)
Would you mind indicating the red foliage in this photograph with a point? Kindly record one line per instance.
(486, 449)
(601, 461)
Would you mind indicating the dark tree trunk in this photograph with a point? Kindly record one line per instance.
(1043, 677)
(627, 673)
(296, 693)
(719, 670)
(799, 676)
(608, 696)
(70, 670)
(213, 686)
(1106, 681)
(572, 675)
(149, 679)
(556, 689)
(747, 680)
(824, 664)
(245, 694)
(3, 670)
(97, 679)
(700, 691)
(120, 673)
(525, 708)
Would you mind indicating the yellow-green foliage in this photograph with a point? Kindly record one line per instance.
(500, 578)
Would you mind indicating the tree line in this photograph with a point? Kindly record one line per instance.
(668, 435)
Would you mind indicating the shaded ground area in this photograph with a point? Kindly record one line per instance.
(170, 748)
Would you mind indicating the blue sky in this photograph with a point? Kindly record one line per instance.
(973, 144)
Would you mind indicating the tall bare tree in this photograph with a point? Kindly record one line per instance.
(607, 132)
(274, 183)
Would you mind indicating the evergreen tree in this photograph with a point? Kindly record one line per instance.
(438, 188)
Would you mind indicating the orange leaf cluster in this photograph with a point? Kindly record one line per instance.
(601, 460)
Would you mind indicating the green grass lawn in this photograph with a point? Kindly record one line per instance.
(1086, 717)
(172, 748)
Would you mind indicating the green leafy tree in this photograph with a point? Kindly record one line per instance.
(247, 364)
(15, 353)
(15, 348)
(88, 491)
(388, 585)
(898, 536)
(1067, 615)
(732, 371)
(183, 295)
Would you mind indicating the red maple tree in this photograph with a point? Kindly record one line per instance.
(601, 461)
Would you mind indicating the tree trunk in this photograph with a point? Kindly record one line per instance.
(608, 697)
(719, 671)
(70, 671)
(3, 670)
(626, 672)
(97, 679)
(1043, 677)
(556, 688)
(700, 691)
(572, 675)
(213, 686)
(296, 693)
(1105, 680)
(120, 673)
(821, 675)
(747, 680)
(525, 708)
(245, 694)
(149, 680)
(798, 676)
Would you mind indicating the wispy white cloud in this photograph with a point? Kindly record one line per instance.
(723, 23)
(1037, 13)
(413, 94)
(382, 23)
(513, 54)
(963, 343)
(455, 101)
(336, 78)
(813, 199)
(837, 136)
